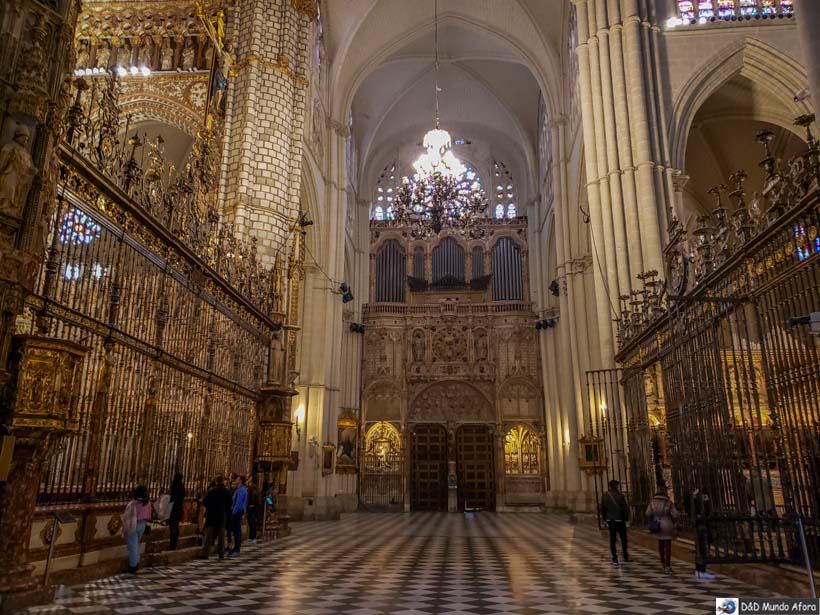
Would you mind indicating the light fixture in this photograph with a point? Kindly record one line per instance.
(298, 419)
(604, 408)
(344, 290)
(439, 195)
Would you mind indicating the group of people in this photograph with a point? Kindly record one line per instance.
(225, 508)
(660, 516)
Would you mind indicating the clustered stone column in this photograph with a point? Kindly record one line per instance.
(262, 185)
(621, 154)
(808, 24)
(37, 374)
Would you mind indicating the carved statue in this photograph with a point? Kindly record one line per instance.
(224, 69)
(103, 55)
(82, 54)
(188, 55)
(166, 55)
(147, 53)
(418, 346)
(481, 345)
(16, 171)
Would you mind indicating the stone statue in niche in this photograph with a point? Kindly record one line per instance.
(16, 171)
(147, 53)
(103, 56)
(166, 55)
(188, 55)
(82, 54)
(481, 345)
(418, 346)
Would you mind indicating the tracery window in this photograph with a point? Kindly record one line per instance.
(701, 10)
(521, 451)
(504, 191)
(386, 188)
(78, 228)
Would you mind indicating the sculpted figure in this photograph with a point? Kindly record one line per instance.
(103, 55)
(418, 346)
(16, 171)
(166, 55)
(147, 53)
(188, 54)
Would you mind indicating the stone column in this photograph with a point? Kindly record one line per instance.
(266, 118)
(43, 389)
(808, 24)
(37, 374)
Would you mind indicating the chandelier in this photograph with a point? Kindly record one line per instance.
(441, 194)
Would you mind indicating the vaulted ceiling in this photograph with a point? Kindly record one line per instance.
(497, 59)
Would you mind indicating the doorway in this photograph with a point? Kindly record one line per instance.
(428, 468)
(476, 467)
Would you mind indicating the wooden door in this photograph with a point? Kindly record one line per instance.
(428, 468)
(476, 467)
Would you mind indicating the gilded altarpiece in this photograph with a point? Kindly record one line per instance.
(451, 356)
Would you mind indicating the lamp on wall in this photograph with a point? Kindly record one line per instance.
(298, 420)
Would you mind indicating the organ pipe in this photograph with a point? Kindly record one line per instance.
(391, 273)
(507, 277)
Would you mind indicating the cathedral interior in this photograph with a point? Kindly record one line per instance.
(431, 277)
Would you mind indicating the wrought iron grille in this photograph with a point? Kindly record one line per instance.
(381, 485)
(736, 431)
(177, 354)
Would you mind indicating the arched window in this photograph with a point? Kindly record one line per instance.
(521, 448)
(504, 192)
(448, 261)
(386, 188)
(507, 277)
(391, 273)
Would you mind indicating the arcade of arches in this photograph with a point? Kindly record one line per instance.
(207, 266)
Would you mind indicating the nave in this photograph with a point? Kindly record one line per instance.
(413, 564)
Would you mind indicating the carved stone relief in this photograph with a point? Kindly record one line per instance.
(450, 401)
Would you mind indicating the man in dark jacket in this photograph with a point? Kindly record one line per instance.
(615, 511)
(177, 504)
(217, 503)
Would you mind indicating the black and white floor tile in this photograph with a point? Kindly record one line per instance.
(413, 564)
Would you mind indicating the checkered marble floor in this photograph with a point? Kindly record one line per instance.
(413, 564)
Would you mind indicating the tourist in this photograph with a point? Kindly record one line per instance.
(661, 514)
(177, 503)
(253, 510)
(135, 523)
(615, 511)
(216, 503)
(233, 482)
(240, 505)
(702, 509)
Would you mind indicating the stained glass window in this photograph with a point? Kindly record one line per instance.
(686, 9)
(504, 191)
(78, 228)
(521, 451)
(748, 7)
(705, 9)
(386, 188)
(786, 6)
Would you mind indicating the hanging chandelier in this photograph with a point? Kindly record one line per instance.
(441, 194)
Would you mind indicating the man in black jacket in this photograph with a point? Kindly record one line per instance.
(217, 503)
(615, 512)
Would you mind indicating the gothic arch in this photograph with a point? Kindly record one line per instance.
(768, 67)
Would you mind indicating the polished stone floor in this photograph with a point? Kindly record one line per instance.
(409, 564)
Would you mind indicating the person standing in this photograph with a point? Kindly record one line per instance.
(702, 509)
(134, 523)
(240, 505)
(253, 510)
(661, 514)
(615, 511)
(177, 503)
(233, 483)
(217, 503)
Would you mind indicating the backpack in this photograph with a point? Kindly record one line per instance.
(654, 526)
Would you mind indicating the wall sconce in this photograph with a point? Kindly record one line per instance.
(566, 441)
(604, 409)
(298, 420)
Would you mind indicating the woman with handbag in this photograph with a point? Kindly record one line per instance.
(661, 514)
(135, 521)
